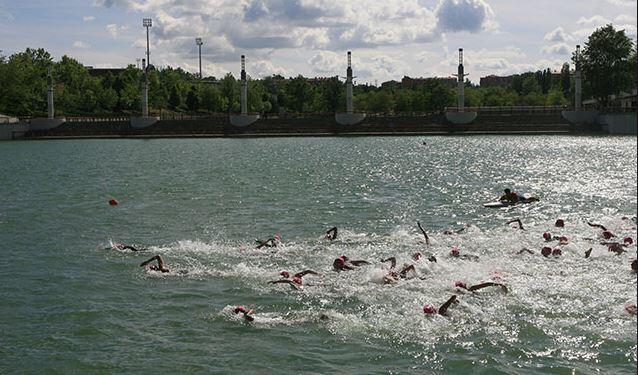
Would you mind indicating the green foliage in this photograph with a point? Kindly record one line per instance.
(608, 59)
(606, 64)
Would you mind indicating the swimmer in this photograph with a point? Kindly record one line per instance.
(331, 234)
(615, 247)
(296, 280)
(509, 196)
(631, 308)
(271, 242)
(456, 253)
(596, 226)
(417, 257)
(525, 250)
(588, 252)
(343, 263)
(560, 223)
(518, 221)
(473, 288)
(394, 276)
(121, 246)
(431, 310)
(457, 231)
(161, 266)
(634, 266)
(427, 239)
(248, 314)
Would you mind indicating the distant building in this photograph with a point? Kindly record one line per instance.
(391, 84)
(410, 83)
(496, 81)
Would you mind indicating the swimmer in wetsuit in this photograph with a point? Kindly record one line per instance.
(121, 246)
(394, 276)
(427, 239)
(331, 234)
(509, 196)
(518, 221)
(473, 288)
(271, 242)
(431, 310)
(343, 263)
(248, 314)
(456, 253)
(296, 280)
(161, 266)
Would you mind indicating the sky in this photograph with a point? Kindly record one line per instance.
(389, 39)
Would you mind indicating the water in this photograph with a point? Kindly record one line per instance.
(68, 305)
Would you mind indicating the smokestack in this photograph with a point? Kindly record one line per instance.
(461, 82)
(349, 105)
(244, 87)
(577, 81)
(144, 90)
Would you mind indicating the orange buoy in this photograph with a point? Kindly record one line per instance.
(113, 202)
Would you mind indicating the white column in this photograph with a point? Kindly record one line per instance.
(50, 107)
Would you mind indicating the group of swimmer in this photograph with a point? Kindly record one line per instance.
(393, 274)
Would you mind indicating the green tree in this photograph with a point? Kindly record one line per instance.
(606, 63)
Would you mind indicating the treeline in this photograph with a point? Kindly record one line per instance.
(23, 85)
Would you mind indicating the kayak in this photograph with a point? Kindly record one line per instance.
(525, 198)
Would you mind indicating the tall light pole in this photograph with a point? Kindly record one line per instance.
(147, 23)
(199, 43)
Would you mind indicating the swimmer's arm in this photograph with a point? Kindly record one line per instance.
(359, 262)
(407, 269)
(446, 305)
(269, 242)
(331, 234)
(282, 282)
(427, 239)
(128, 247)
(588, 252)
(306, 272)
(392, 260)
(520, 223)
(144, 263)
(485, 285)
(596, 225)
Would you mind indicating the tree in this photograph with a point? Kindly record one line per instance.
(565, 79)
(192, 100)
(606, 63)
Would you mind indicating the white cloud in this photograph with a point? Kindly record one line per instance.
(624, 3)
(88, 18)
(596, 20)
(557, 49)
(556, 35)
(625, 18)
(80, 45)
(464, 15)
(112, 29)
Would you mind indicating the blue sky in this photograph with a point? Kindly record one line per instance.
(388, 39)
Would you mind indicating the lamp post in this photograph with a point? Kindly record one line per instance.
(199, 43)
(147, 23)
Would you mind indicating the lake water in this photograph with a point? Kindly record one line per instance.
(70, 306)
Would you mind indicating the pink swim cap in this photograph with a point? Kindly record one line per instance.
(547, 236)
(284, 274)
(628, 240)
(239, 309)
(607, 234)
(429, 309)
(296, 280)
(557, 251)
(631, 308)
(455, 251)
(563, 239)
(460, 284)
(560, 223)
(417, 255)
(546, 251)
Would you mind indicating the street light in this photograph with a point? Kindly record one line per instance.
(147, 23)
(199, 43)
